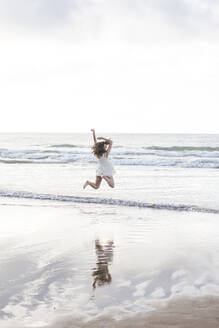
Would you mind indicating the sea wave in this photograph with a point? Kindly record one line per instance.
(183, 148)
(131, 157)
(65, 146)
(14, 161)
(105, 201)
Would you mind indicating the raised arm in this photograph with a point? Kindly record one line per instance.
(94, 136)
(109, 147)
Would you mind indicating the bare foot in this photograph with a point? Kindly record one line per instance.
(86, 184)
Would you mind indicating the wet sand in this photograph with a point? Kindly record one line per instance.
(49, 255)
(181, 312)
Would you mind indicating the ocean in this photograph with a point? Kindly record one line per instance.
(72, 255)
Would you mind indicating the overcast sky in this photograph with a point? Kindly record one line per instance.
(117, 65)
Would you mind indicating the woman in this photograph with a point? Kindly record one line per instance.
(105, 168)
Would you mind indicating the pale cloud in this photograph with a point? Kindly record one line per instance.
(122, 20)
(153, 59)
(36, 12)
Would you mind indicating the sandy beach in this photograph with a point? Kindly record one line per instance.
(161, 273)
(178, 313)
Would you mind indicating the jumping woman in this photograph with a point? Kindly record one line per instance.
(105, 168)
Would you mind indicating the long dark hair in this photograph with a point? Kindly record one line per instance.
(98, 148)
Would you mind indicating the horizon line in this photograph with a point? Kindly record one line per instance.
(83, 132)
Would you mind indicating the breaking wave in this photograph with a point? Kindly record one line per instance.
(183, 148)
(105, 201)
(65, 146)
(176, 156)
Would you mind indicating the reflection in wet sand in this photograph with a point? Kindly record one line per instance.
(104, 258)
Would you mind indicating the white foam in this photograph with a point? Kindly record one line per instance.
(158, 157)
(105, 201)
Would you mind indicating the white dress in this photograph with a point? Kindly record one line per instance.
(105, 167)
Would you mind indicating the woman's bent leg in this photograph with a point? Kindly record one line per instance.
(95, 184)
